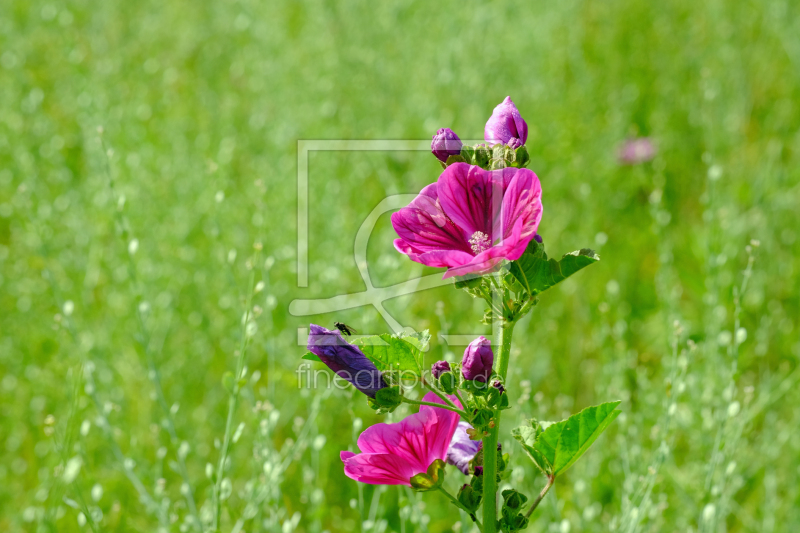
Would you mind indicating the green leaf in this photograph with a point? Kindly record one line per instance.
(391, 354)
(526, 436)
(537, 273)
(563, 443)
(311, 357)
(418, 340)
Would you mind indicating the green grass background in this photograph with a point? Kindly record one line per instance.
(202, 104)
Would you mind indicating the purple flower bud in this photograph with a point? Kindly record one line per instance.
(439, 368)
(538, 238)
(499, 386)
(478, 470)
(506, 125)
(478, 360)
(445, 143)
(514, 143)
(634, 151)
(346, 360)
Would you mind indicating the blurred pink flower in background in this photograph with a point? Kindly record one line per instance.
(635, 151)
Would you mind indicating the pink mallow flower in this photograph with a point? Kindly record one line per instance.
(470, 219)
(391, 454)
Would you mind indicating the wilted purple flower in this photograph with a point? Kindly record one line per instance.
(479, 470)
(499, 386)
(346, 360)
(634, 151)
(439, 368)
(470, 219)
(506, 125)
(462, 449)
(445, 143)
(478, 360)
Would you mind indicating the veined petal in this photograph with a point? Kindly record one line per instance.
(511, 249)
(522, 200)
(471, 197)
(424, 227)
(393, 453)
(378, 468)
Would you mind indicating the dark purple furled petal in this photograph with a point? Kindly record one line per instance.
(505, 125)
(462, 449)
(345, 359)
(439, 368)
(445, 143)
(478, 360)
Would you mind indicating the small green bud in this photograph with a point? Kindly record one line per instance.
(513, 499)
(469, 498)
(447, 381)
(386, 400)
(522, 158)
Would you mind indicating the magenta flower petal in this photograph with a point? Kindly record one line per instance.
(424, 227)
(522, 200)
(512, 248)
(393, 453)
(471, 196)
(471, 219)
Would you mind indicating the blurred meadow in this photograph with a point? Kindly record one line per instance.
(146, 147)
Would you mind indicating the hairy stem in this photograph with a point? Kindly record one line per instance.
(490, 441)
(550, 480)
(454, 409)
(440, 394)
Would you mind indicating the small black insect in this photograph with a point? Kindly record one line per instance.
(344, 328)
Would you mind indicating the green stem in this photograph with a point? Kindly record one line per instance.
(490, 441)
(233, 401)
(418, 402)
(550, 481)
(458, 504)
(440, 394)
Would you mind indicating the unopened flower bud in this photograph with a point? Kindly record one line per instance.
(506, 125)
(440, 367)
(478, 360)
(445, 143)
(499, 386)
(478, 470)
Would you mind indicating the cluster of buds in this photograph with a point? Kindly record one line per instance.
(505, 134)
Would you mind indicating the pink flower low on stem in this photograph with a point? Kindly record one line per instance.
(391, 454)
(471, 219)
